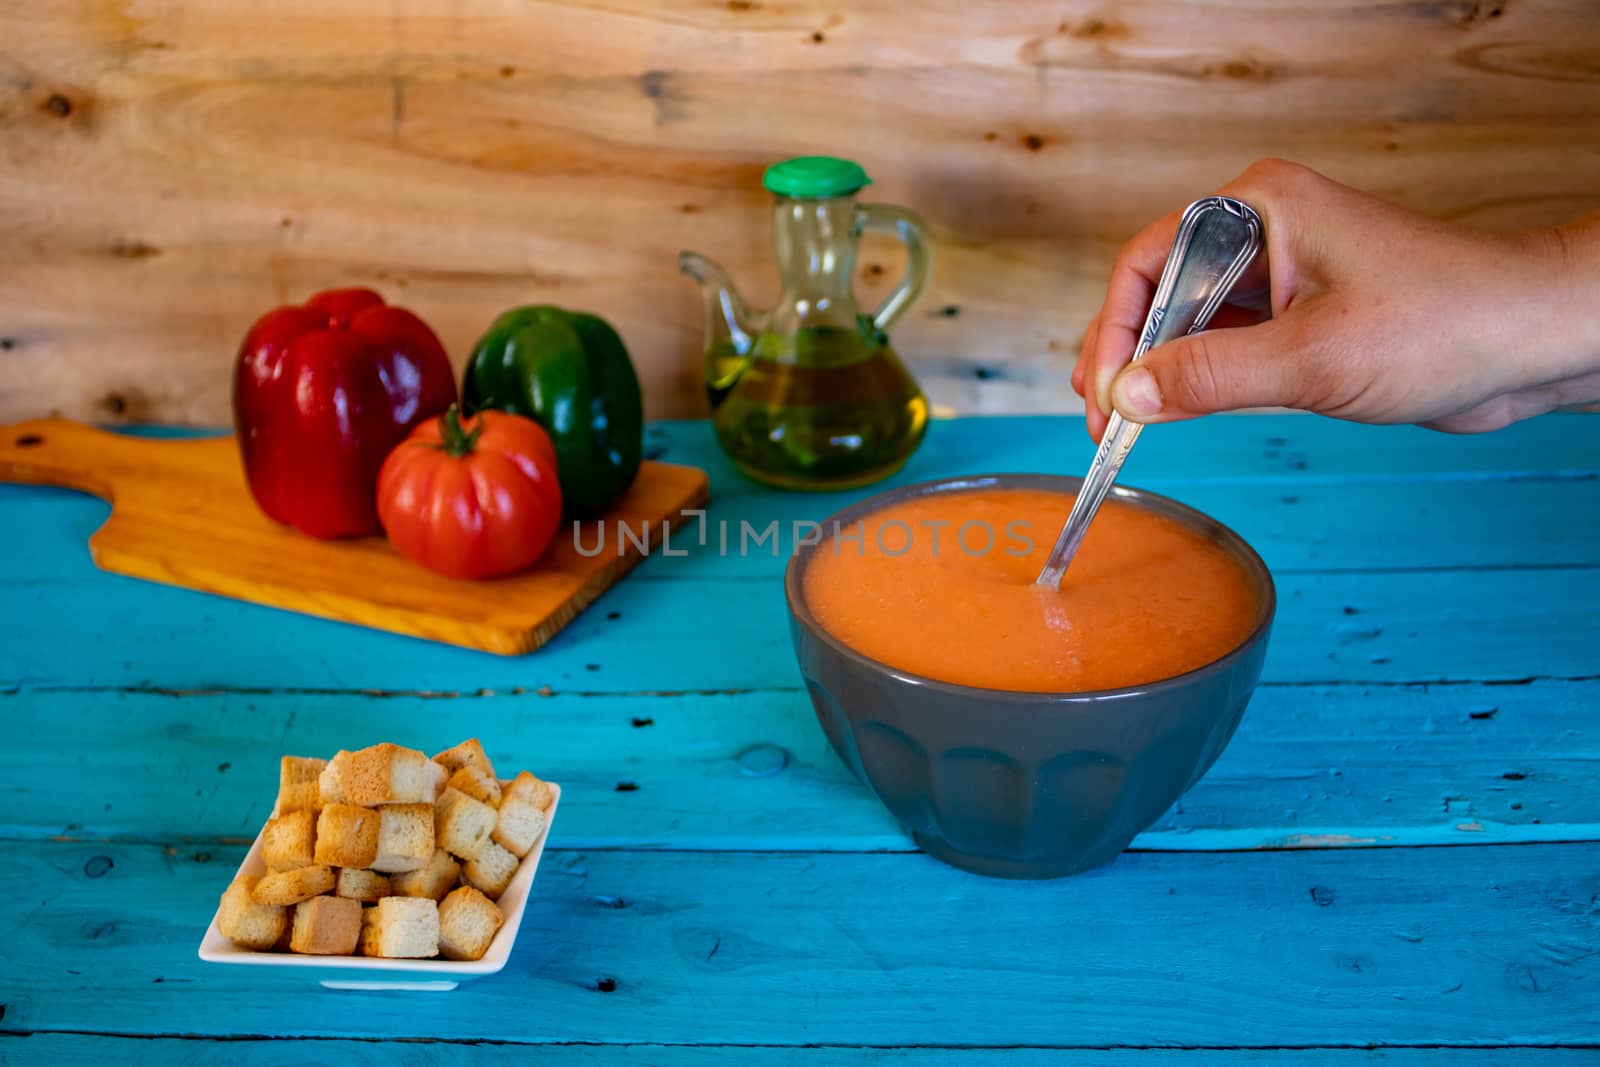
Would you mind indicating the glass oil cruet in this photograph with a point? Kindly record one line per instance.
(809, 394)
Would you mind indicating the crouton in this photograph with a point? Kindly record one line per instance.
(462, 825)
(401, 928)
(518, 824)
(247, 923)
(326, 926)
(468, 753)
(299, 796)
(432, 881)
(286, 843)
(387, 774)
(491, 871)
(291, 887)
(347, 836)
(476, 784)
(532, 788)
(438, 775)
(330, 783)
(405, 837)
(354, 883)
(468, 921)
(296, 770)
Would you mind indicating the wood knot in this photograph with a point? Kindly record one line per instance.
(817, 37)
(132, 250)
(29, 440)
(605, 985)
(742, 5)
(1322, 895)
(626, 787)
(7, 343)
(97, 867)
(507, 72)
(1033, 142)
(58, 105)
(1094, 26)
(762, 760)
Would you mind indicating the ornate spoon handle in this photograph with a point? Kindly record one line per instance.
(1217, 238)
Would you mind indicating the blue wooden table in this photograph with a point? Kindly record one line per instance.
(1401, 848)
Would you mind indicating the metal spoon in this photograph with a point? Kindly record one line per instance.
(1217, 238)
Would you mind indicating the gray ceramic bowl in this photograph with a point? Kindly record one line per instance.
(1025, 785)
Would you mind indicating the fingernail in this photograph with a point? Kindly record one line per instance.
(1136, 394)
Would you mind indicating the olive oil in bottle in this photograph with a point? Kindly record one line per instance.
(809, 394)
(821, 409)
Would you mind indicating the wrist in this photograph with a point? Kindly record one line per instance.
(1568, 279)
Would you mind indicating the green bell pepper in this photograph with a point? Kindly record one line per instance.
(570, 372)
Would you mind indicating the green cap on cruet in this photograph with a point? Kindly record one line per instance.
(815, 177)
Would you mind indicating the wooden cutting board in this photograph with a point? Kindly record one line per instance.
(182, 515)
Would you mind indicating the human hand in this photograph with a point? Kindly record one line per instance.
(1361, 310)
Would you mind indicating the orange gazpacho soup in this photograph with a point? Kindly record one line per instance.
(943, 586)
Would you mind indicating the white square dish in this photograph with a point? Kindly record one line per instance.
(363, 972)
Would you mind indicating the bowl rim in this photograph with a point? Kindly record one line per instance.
(1194, 518)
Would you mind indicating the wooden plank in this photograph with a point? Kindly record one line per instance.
(1454, 626)
(1461, 946)
(70, 1050)
(173, 171)
(1309, 767)
(1304, 491)
(1428, 525)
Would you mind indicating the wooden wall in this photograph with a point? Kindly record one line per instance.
(170, 168)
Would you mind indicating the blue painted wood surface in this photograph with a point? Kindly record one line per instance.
(1434, 681)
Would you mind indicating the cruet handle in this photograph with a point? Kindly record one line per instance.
(913, 233)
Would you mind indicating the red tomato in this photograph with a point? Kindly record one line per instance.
(472, 498)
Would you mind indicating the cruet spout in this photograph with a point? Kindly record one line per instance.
(731, 325)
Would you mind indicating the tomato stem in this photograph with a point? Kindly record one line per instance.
(457, 441)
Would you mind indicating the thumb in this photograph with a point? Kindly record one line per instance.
(1216, 370)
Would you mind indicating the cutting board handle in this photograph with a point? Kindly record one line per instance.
(66, 453)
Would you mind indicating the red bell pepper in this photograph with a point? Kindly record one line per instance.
(322, 392)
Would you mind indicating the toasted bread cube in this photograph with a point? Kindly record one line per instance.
(405, 837)
(468, 753)
(296, 770)
(462, 825)
(347, 836)
(518, 824)
(388, 774)
(291, 887)
(468, 921)
(432, 881)
(353, 883)
(477, 785)
(530, 787)
(326, 926)
(300, 796)
(401, 928)
(438, 775)
(287, 842)
(247, 923)
(330, 783)
(492, 871)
